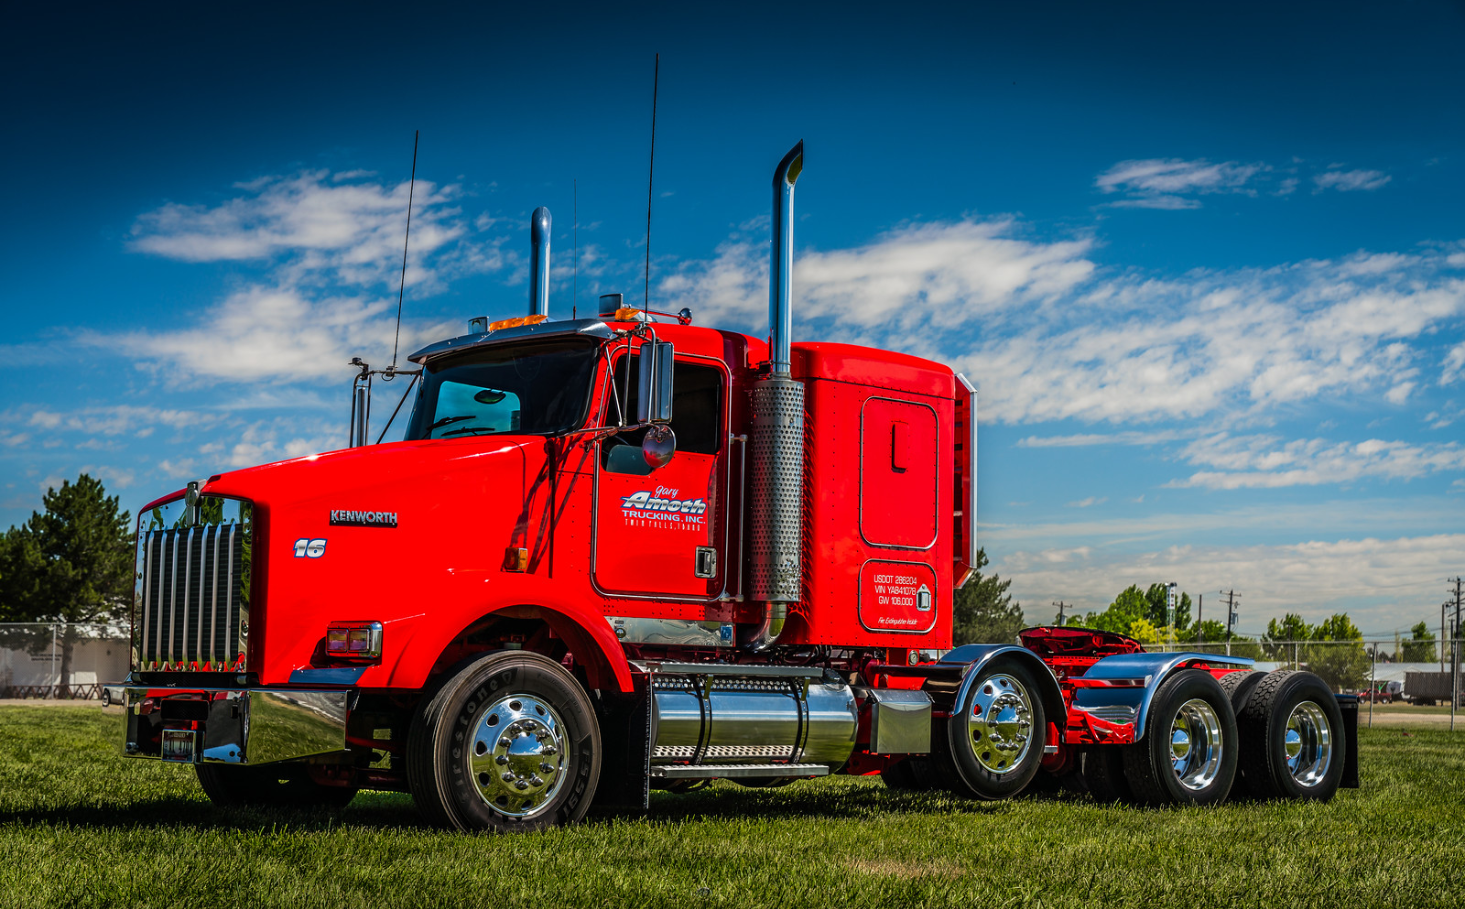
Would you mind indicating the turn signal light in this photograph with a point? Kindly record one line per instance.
(630, 314)
(354, 640)
(515, 323)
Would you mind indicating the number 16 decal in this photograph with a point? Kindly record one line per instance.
(309, 549)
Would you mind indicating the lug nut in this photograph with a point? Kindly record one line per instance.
(521, 785)
(546, 767)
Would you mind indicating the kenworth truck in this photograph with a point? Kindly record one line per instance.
(626, 553)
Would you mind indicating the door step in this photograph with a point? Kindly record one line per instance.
(732, 771)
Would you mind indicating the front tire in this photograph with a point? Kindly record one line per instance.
(508, 744)
(993, 743)
(1293, 730)
(1188, 755)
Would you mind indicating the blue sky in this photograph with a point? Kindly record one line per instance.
(1206, 264)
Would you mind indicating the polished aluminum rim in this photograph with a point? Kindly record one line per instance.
(1196, 745)
(518, 759)
(1000, 724)
(1309, 744)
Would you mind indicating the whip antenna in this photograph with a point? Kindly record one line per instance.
(651, 173)
(575, 234)
(411, 188)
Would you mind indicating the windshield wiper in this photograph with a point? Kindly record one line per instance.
(447, 420)
(476, 430)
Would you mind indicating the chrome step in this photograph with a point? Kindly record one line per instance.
(729, 771)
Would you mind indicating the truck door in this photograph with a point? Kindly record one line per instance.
(662, 533)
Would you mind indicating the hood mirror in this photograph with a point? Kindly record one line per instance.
(659, 445)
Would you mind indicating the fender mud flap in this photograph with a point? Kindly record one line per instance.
(1348, 705)
(625, 766)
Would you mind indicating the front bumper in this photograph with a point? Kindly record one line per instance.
(235, 725)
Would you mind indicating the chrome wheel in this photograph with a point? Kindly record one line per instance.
(1196, 744)
(1308, 744)
(518, 755)
(1000, 724)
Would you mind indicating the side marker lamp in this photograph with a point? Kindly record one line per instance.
(354, 640)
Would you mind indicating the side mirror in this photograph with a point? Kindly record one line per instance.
(654, 382)
(659, 445)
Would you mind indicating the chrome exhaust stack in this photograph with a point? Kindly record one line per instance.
(776, 484)
(539, 225)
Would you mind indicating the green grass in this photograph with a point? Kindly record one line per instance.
(80, 825)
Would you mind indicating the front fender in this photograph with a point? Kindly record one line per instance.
(979, 656)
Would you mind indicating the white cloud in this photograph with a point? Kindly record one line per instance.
(1381, 583)
(1454, 365)
(1049, 336)
(1350, 180)
(1166, 182)
(1259, 461)
(275, 334)
(1089, 502)
(320, 224)
(1083, 440)
(945, 274)
(116, 420)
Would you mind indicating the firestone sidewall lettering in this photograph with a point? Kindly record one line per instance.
(344, 518)
(663, 508)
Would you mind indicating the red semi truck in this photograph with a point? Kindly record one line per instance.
(626, 553)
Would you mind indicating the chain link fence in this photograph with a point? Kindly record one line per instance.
(61, 660)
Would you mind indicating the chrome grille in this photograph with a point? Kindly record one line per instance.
(191, 604)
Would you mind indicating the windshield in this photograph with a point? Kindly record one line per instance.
(541, 387)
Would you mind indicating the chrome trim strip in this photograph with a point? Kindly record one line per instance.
(214, 596)
(230, 629)
(147, 606)
(936, 516)
(187, 576)
(173, 602)
(758, 670)
(969, 477)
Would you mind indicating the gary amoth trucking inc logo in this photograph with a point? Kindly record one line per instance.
(663, 508)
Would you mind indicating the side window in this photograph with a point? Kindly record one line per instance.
(696, 417)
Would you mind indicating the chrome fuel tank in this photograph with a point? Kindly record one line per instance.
(750, 714)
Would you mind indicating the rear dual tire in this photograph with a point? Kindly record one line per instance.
(1292, 738)
(1189, 752)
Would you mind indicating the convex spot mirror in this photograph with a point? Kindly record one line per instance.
(659, 445)
(654, 382)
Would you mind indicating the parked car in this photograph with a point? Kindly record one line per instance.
(112, 694)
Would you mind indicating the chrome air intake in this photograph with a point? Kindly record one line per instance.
(191, 601)
(539, 227)
(776, 482)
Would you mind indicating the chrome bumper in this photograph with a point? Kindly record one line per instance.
(236, 726)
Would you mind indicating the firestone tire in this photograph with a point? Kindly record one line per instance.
(269, 786)
(510, 744)
(992, 745)
(1293, 745)
(1189, 751)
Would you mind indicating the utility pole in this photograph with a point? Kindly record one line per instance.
(1061, 606)
(1200, 612)
(1455, 654)
(1443, 639)
(1231, 616)
(1170, 610)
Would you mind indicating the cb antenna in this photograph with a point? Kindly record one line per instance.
(575, 233)
(650, 174)
(401, 287)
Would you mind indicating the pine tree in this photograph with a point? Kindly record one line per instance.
(71, 563)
